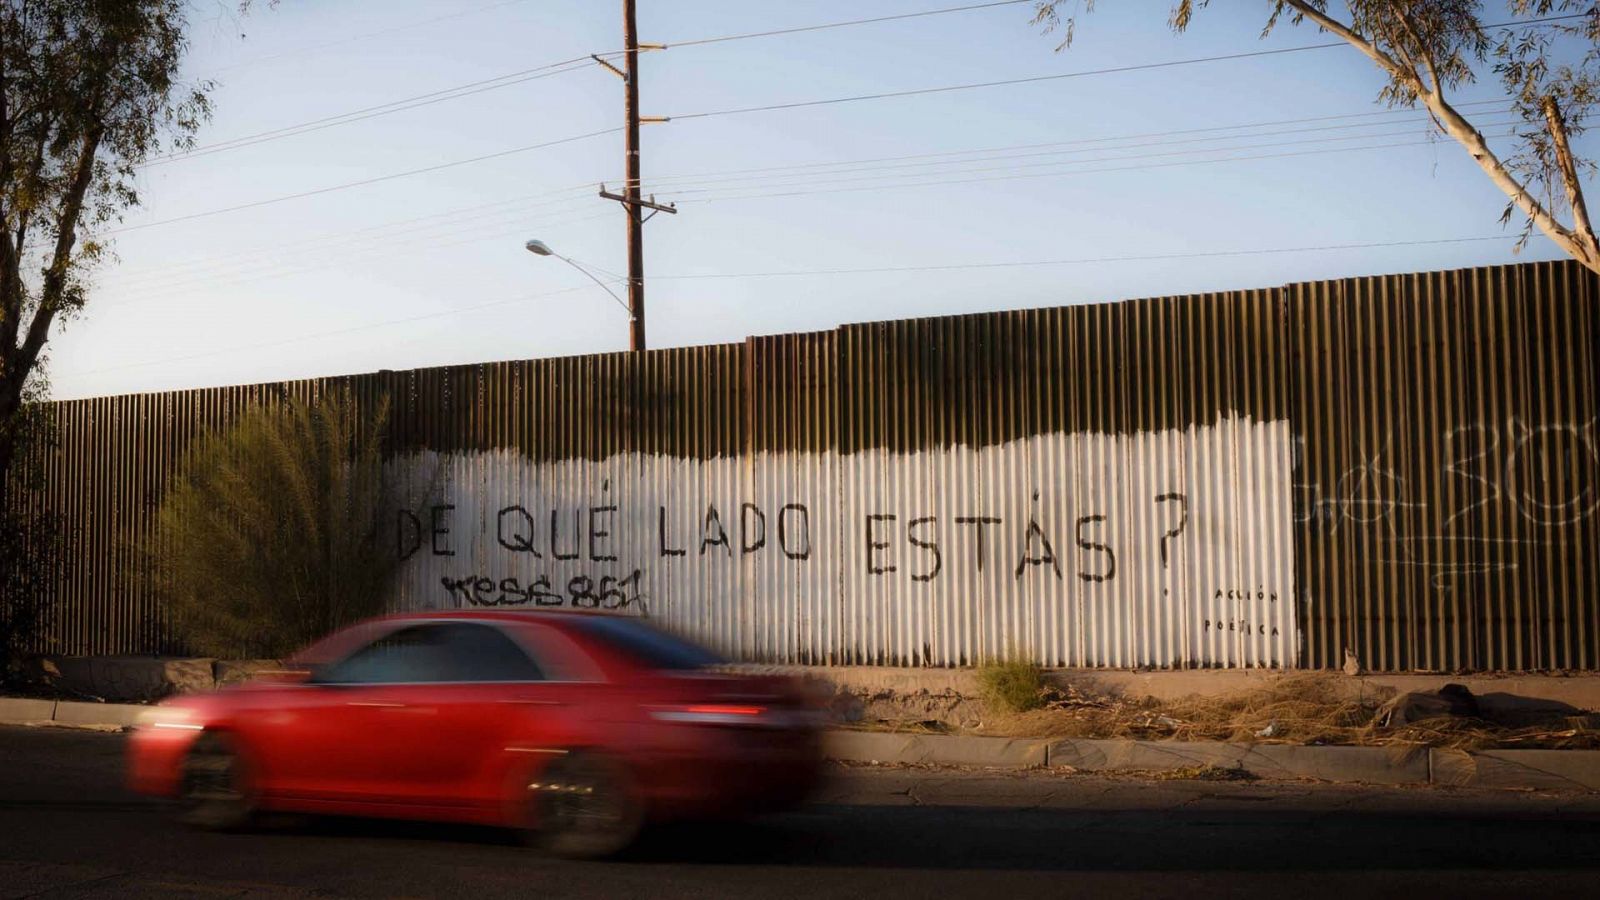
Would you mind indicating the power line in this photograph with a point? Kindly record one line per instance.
(658, 181)
(511, 78)
(916, 92)
(379, 232)
(828, 178)
(372, 112)
(793, 273)
(411, 246)
(883, 171)
(1165, 165)
(770, 107)
(699, 178)
(225, 351)
(803, 28)
(448, 223)
(472, 88)
(365, 181)
(304, 51)
(1112, 70)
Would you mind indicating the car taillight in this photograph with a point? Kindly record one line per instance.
(714, 714)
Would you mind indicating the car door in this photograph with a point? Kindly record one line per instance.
(417, 720)
(343, 736)
(490, 700)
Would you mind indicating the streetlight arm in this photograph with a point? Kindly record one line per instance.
(590, 276)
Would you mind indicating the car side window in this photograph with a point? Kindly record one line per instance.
(485, 653)
(408, 655)
(433, 653)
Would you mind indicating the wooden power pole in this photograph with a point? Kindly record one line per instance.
(630, 104)
(632, 203)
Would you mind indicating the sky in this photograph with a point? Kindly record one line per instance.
(1128, 184)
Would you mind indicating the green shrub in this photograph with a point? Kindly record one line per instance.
(1012, 684)
(272, 534)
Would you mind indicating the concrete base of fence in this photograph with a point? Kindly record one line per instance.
(123, 679)
(1513, 769)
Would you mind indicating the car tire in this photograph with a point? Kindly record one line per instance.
(212, 792)
(585, 808)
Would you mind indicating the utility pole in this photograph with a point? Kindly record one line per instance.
(633, 204)
(630, 104)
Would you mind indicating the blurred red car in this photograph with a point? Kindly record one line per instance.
(580, 727)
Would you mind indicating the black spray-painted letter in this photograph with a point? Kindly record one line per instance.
(875, 545)
(1086, 544)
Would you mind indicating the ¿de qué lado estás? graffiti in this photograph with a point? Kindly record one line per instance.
(891, 544)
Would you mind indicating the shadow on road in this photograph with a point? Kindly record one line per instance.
(933, 837)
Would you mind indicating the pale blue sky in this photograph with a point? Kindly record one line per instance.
(304, 287)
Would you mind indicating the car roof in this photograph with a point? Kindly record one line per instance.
(345, 639)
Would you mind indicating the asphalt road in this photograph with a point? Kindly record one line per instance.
(68, 829)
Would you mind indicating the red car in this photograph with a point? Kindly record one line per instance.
(579, 727)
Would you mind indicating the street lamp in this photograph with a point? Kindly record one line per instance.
(540, 248)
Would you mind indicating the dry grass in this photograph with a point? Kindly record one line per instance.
(1012, 685)
(1293, 709)
(1203, 773)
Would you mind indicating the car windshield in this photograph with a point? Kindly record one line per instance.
(648, 646)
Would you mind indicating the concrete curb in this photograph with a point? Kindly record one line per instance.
(28, 711)
(1510, 769)
(935, 749)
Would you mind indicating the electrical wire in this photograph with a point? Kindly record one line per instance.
(355, 329)
(577, 63)
(803, 28)
(271, 265)
(1005, 82)
(305, 51)
(657, 181)
(1142, 167)
(885, 171)
(447, 223)
(381, 232)
(512, 78)
(362, 182)
(712, 176)
(1084, 73)
(372, 112)
(901, 269)
(417, 244)
(1158, 257)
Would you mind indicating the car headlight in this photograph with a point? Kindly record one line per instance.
(169, 717)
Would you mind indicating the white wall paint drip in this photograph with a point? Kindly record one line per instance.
(1086, 549)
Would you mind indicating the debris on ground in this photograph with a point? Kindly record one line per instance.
(1205, 773)
(1311, 708)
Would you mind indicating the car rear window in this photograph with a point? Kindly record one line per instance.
(649, 647)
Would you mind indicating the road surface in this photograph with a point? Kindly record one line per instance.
(68, 829)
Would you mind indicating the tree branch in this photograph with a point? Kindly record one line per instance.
(1462, 131)
(10, 258)
(55, 277)
(1422, 48)
(1569, 179)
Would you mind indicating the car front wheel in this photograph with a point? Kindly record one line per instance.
(584, 807)
(213, 795)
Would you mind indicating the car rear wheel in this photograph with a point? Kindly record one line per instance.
(212, 795)
(584, 807)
